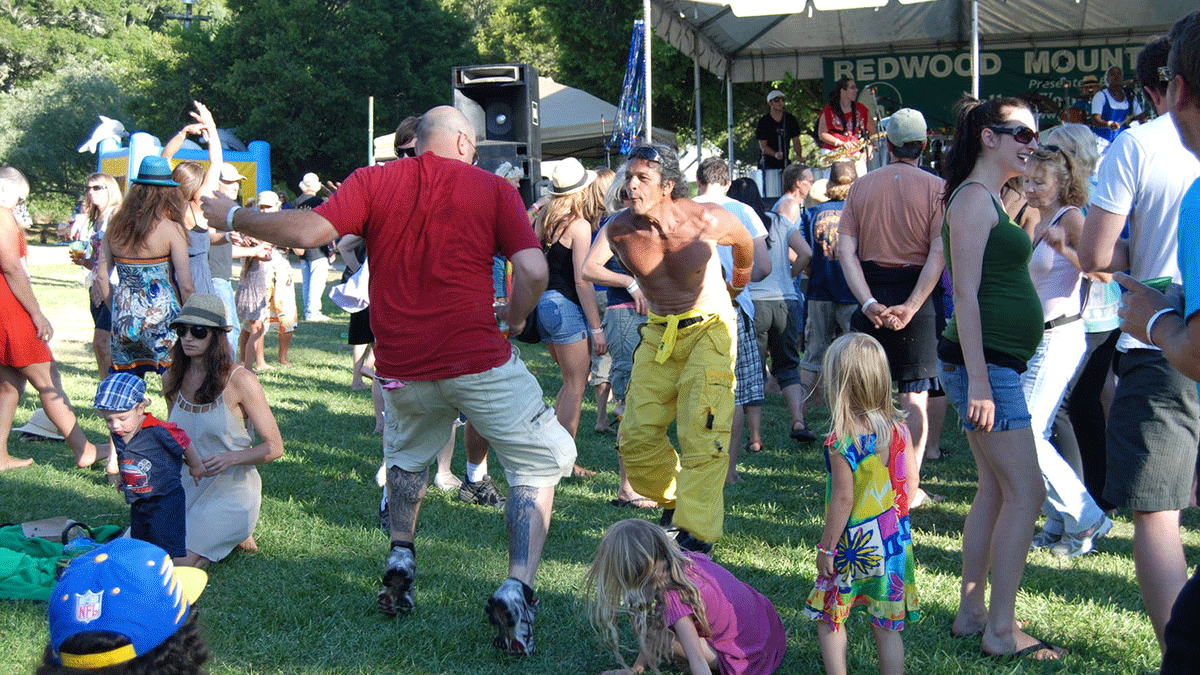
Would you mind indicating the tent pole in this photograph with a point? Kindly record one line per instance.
(696, 77)
(729, 112)
(646, 39)
(975, 48)
(370, 131)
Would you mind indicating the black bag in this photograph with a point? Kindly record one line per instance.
(530, 335)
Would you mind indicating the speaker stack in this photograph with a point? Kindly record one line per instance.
(501, 101)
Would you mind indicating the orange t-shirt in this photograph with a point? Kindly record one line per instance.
(894, 212)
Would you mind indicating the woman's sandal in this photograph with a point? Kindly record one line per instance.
(753, 446)
(803, 434)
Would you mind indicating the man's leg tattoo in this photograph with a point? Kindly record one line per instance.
(405, 492)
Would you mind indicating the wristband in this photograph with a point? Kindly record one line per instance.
(596, 331)
(229, 218)
(633, 287)
(1154, 320)
(870, 301)
(829, 553)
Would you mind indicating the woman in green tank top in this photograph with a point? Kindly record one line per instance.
(996, 328)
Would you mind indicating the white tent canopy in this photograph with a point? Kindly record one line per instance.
(573, 123)
(765, 48)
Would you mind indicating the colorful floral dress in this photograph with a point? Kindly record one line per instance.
(145, 302)
(874, 557)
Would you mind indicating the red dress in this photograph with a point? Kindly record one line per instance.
(19, 343)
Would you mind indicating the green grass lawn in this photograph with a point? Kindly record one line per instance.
(306, 602)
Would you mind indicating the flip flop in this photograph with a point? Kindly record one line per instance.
(753, 446)
(803, 435)
(635, 503)
(1027, 652)
(1021, 623)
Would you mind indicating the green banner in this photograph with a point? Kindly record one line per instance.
(932, 82)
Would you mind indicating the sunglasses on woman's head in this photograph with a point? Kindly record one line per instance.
(1020, 134)
(198, 332)
(408, 152)
(96, 188)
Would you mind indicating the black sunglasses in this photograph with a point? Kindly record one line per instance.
(1045, 151)
(407, 152)
(96, 188)
(646, 152)
(198, 332)
(1020, 134)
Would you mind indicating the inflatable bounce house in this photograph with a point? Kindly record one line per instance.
(116, 160)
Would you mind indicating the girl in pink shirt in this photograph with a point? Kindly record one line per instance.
(682, 605)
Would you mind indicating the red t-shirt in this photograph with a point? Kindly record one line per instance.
(432, 226)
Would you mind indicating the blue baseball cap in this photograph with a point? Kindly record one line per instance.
(120, 392)
(128, 587)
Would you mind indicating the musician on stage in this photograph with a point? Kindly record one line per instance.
(775, 131)
(845, 126)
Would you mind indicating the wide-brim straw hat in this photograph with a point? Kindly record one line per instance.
(40, 425)
(570, 177)
(202, 309)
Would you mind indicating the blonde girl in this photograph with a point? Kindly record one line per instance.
(864, 558)
(681, 605)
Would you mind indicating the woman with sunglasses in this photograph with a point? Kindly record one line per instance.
(995, 331)
(1056, 183)
(221, 407)
(24, 334)
(100, 201)
(147, 245)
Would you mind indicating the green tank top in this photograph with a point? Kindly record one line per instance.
(1010, 313)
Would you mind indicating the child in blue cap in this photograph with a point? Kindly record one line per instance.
(125, 608)
(150, 454)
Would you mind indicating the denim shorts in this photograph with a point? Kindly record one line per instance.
(560, 321)
(1007, 394)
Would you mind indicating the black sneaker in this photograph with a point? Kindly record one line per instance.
(483, 493)
(688, 542)
(396, 596)
(667, 516)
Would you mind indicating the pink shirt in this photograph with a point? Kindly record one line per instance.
(747, 634)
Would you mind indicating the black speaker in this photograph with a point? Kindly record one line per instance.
(501, 101)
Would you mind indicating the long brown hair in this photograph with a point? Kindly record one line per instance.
(143, 207)
(973, 116)
(216, 362)
(190, 176)
(553, 220)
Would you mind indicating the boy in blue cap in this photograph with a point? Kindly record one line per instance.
(150, 454)
(125, 608)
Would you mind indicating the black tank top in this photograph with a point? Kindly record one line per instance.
(562, 272)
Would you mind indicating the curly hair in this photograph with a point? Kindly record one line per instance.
(1067, 171)
(635, 565)
(184, 653)
(216, 361)
(143, 208)
(841, 176)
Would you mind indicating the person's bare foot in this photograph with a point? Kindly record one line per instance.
(357, 384)
(263, 366)
(91, 454)
(249, 545)
(1023, 645)
(969, 627)
(284, 362)
(580, 472)
(8, 462)
(922, 497)
(603, 428)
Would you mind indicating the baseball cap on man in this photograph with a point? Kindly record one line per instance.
(230, 174)
(120, 392)
(775, 93)
(269, 198)
(310, 181)
(906, 126)
(127, 587)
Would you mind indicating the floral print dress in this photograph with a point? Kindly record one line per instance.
(874, 558)
(145, 302)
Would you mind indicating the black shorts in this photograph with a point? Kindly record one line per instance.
(360, 328)
(912, 350)
(101, 316)
(1152, 434)
(162, 521)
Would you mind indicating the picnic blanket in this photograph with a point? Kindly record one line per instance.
(29, 565)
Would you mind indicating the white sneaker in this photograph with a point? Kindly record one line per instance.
(1071, 546)
(511, 609)
(396, 596)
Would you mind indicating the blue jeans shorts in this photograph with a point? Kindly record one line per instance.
(1007, 394)
(560, 321)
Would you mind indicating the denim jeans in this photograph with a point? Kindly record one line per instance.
(314, 275)
(1068, 506)
(621, 333)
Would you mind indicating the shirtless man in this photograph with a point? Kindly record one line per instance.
(683, 367)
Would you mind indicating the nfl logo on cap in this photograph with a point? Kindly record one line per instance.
(88, 606)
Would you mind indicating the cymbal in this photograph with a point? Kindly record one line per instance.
(1040, 101)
